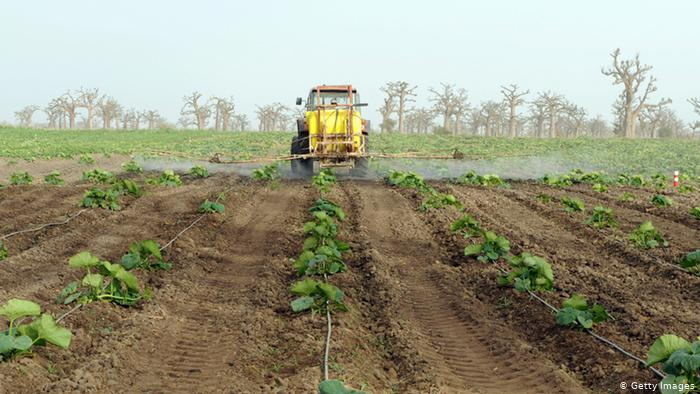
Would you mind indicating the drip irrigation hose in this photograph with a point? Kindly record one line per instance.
(328, 337)
(43, 226)
(591, 332)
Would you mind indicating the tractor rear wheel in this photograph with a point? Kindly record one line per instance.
(361, 168)
(303, 168)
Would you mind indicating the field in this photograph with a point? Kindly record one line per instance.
(423, 317)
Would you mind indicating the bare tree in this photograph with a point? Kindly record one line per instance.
(25, 115)
(386, 110)
(513, 99)
(577, 117)
(552, 104)
(153, 118)
(193, 108)
(70, 103)
(404, 93)
(597, 127)
(420, 120)
(240, 122)
(88, 99)
(223, 112)
(632, 75)
(273, 117)
(695, 102)
(448, 102)
(108, 109)
(56, 114)
(491, 113)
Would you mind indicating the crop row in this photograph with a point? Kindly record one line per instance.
(529, 273)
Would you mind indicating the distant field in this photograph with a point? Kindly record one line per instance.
(612, 155)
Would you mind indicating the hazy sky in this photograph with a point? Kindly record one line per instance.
(148, 54)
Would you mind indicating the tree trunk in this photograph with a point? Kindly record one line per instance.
(511, 131)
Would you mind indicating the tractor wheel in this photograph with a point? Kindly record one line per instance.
(361, 168)
(303, 168)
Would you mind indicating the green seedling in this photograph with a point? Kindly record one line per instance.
(324, 180)
(98, 176)
(602, 217)
(466, 226)
(54, 178)
(529, 273)
(661, 201)
(211, 207)
(691, 262)
(145, 255)
(576, 312)
(20, 178)
(573, 204)
(492, 248)
(199, 172)
(647, 237)
(98, 198)
(132, 167)
(22, 335)
(680, 360)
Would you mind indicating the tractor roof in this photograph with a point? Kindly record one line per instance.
(334, 88)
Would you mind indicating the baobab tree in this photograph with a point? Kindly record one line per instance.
(513, 99)
(404, 93)
(240, 122)
(88, 98)
(632, 75)
(538, 116)
(153, 119)
(577, 117)
(492, 117)
(108, 109)
(695, 102)
(223, 109)
(25, 115)
(386, 110)
(273, 117)
(70, 103)
(419, 120)
(553, 104)
(56, 114)
(447, 102)
(193, 108)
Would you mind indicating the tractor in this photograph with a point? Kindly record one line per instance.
(331, 132)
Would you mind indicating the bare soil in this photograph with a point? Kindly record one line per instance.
(423, 318)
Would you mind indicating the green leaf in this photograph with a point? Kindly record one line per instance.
(93, 280)
(16, 308)
(302, 303)
(576, 301)
(683, 357)
(310, 243)
(585, 319)
(664, 346)
(48, 330)
(671, 381)
(130, 261)
(566, 316)
(83, 260)
(473, 250)
(304, 287)
(335, 387)
(599, 313)
(22, 342)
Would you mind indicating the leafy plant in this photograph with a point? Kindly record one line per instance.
(211, 207)
(54, 178)
(600, 188)
(466, 226)
(528, 272)
(661, 201)
(545, 198)
(576, 312)
(324, 180)
(626, 196)
(409, 180)
(329, 207)
(320, 231)
(333, 386)
(20, 338)
(488, 180)
(680, 360)
(631, 180)
(573, 204)
(198, 171)
(660, 181)
(109, 282)
(439, 201)
(132, 167)
(168, 178)
(269, 172)
(86, 159)
(126, 186)
(602, 217)
(98, 198)
(20, 178)
(3, 250)
(317, 296)
(146, 255)
(695, 212)
(492, 248)
(98, 176)
(647, 237)
(323, 260)
(691, 262)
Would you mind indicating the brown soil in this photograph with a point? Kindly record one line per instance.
(423, 319)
